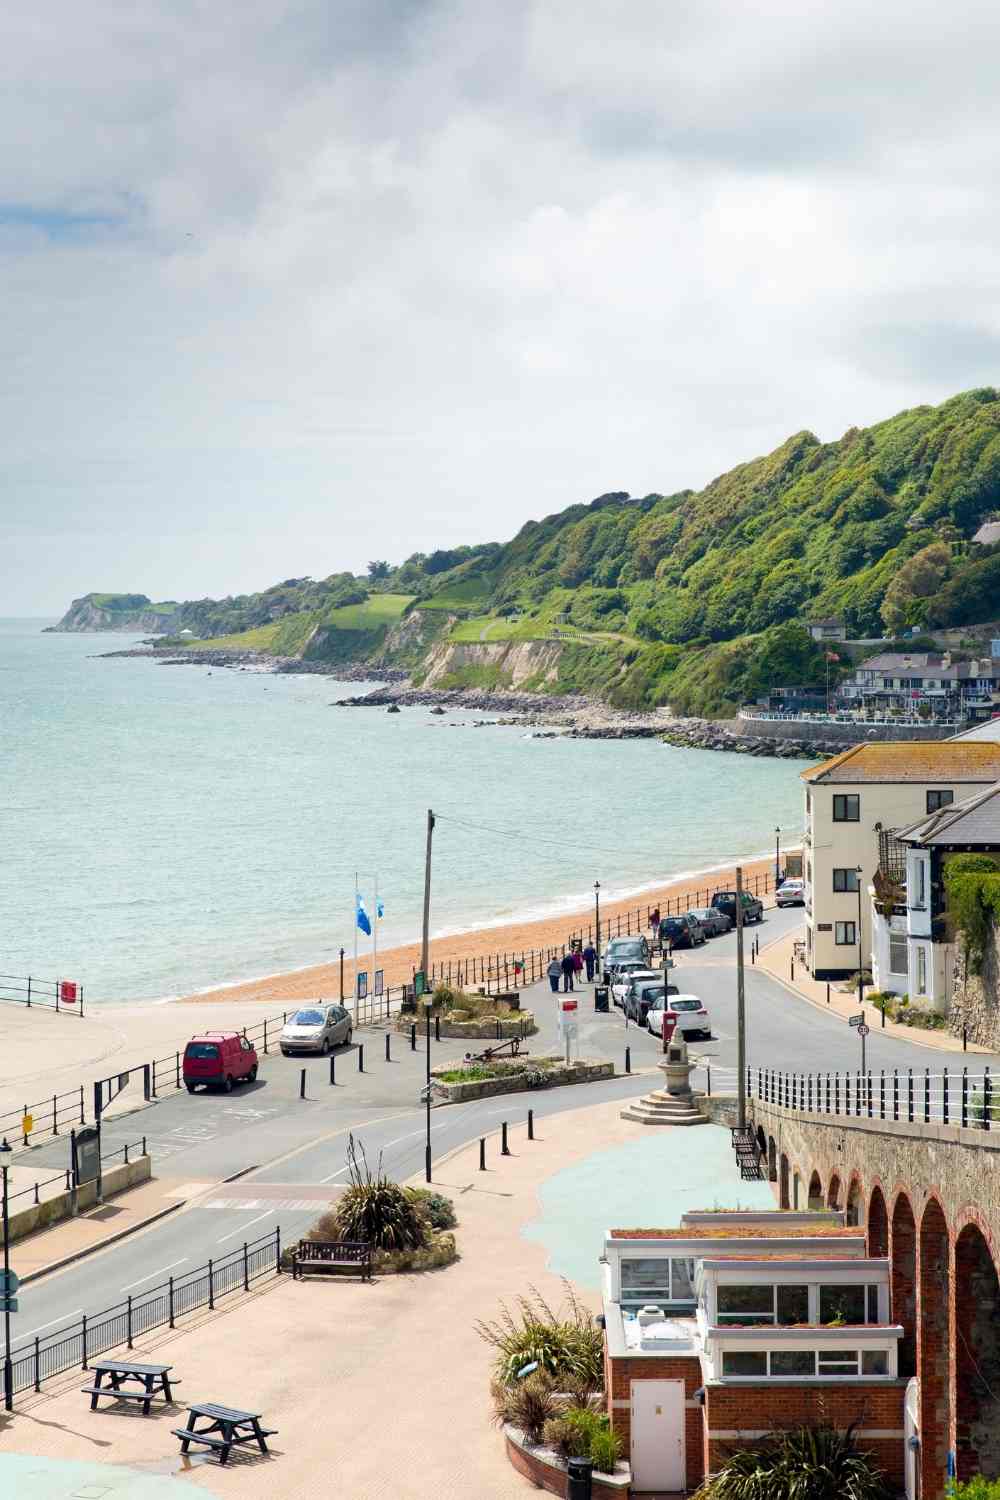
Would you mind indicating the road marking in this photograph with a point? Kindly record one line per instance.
(155, 1273)
(246, 1225)
(335, 1174)
(63, 1319)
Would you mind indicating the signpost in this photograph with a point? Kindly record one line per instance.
(861, 1026)
(361, 984)
(419, 983)
(9, 1283)
(568, 1023)
(669, 1027)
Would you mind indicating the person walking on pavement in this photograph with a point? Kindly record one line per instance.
(654, 920)
(567, 971)
(590, 959)
(554, 970)
(578, 965)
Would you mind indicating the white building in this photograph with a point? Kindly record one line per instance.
(851, 800)
(912, 951)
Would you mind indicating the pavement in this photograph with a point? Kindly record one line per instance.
(384, 1385)
(73, 1239)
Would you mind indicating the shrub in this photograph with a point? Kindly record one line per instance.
(375, 1209)
(439, 1210)
(976, 1488)
(923, 1020)
(802, 1463)
(606, 1450)
(581, 1432)
(440, 1251)
(565, 1438)
(567, 1343)
(528, 1404)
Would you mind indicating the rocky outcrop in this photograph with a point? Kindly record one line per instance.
(125, 612)
(975, 998)
(716, 734)
(533, 665)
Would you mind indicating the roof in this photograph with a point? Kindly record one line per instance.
(974, 820)
(743, 1232)
(990, 730)
(928, 664)
(988, 533)
(911, 760)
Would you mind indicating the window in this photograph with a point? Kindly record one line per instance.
(793, 1362)
(682, 1280)
(937, 800)
(745, 1304)
(920, 883)
(898, 961)
(664, 1279)
(842, 1304)
(845, 880)
(739, 1362)
(837, 1362)
(846, 934)
(873, 1304)
(874, 1362)
(921, 971)
(793, 1305)
(846, 809)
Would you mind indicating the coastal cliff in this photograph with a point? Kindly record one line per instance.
(126, 612)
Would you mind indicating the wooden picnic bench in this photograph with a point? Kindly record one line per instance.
(227, 1428)
(152, 1378)
(332, 1255)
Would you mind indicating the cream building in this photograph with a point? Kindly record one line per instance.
(866, 791)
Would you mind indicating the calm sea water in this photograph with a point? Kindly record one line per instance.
(169, 828)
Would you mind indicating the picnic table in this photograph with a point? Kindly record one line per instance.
(227, 1428)
(152, 1379)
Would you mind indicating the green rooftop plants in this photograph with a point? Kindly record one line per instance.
(800, 1463)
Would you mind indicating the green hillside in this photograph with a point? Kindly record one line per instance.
(696, 598)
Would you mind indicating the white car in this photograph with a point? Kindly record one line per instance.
(791, 893)
(692, 1016)
(628, 975)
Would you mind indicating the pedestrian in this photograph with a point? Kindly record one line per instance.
(577, 964)
(654, 919)
(590, 959)
(567, 971)
(554, 970)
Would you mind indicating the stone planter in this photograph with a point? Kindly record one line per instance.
(547, 1470)
(516, 1083)
(485, 1030)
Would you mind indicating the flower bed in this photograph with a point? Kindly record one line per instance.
(518, 1074)
(547, 1470)
(516, 1023)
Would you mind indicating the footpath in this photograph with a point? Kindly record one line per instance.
(778, 960)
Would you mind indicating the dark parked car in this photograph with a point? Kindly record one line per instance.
(623, 950)
(643, 996)
(725, 901)
(684, 931)
(714, 922)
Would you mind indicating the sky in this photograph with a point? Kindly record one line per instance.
(293, 284)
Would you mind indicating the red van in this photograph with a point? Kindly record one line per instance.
(219, 1059)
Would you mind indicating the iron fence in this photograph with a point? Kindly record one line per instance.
(25, 989)
(46, 1115)
(73, 1346)
(916, 1096)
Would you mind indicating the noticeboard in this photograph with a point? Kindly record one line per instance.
(87, 1163)
(361, 985)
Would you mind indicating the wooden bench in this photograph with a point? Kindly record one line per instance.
(332, 1255)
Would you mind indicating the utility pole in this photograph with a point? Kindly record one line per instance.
(425, 942)
(741, 1009)
(597, 926)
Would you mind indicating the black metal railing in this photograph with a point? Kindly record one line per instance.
(915, 1096)
(74, 1345)
(25, 989)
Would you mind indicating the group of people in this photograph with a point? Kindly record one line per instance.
(571, 966)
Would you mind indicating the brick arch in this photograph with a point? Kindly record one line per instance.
(903, 1252)
(976, 1354)
(972, 1214)
(833, 1192)
(933, 1345)
(761, 1141)
(772, 1159)
(783, 1180)
(878, 1222)
(815, 1196)
(855, 1200)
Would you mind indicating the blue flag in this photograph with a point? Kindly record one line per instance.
(379, 908)
(363, 923)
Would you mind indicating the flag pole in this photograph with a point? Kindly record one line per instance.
(375, 936)
(357, 897)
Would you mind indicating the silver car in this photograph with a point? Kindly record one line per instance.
(316, 1028)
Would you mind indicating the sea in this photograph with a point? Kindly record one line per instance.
(166, 829)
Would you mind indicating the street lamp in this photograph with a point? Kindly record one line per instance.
(8, 1369)
(597, 924)
(428, 1007)
(861, 961)
(777, 857)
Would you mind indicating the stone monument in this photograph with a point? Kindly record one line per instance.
(675, 1103)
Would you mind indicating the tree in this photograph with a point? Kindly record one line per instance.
(916, 581)
(379, 569)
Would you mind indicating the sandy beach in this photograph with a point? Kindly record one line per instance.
(483, 943)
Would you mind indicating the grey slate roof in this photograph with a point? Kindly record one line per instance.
(975, 820)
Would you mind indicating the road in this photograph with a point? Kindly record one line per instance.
(274, 1138)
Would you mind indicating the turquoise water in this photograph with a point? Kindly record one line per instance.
(647, 1183)
(169, 828)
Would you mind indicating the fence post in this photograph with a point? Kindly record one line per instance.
(177, 1069)
(126, 1153)
(437, 1028)
(909, 1093)
(129, 1317)
(265, 1034)
(302, 1084)
(211, 1286)
(83, 1338)
(170, 1301)
(895, 1093)
(55, 1115)
(944, 1095)
(965, 1097)
(246, 1268)
(38, 1383)
(836, 1093)
(987, 1098)
(83, 1115)
(927, 1095)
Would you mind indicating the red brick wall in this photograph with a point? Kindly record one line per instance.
(547, 1477)
(619, 1388)
(757, 1408)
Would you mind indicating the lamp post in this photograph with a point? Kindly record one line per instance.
(861, 959)
(428, 1006)
(777, 857)
(8, 1369)
(597, 924)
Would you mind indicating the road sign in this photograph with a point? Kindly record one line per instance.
(9, 1282)
(863, 1030)
(419, 983)
(856, 1020)
(27, 1125)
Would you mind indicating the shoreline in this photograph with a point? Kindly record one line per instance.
(514, 937)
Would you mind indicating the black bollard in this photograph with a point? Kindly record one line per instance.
(504, 1148)
(413, 1039)
(628, 1059)
(531, 1124)
(388, 1055)
(482, 1153)
(437, 1028)
(361, 1057)
(333, 1068)
(302, 1084)
(965, 1040)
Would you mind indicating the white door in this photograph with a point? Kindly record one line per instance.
(911, 1429)
(658, 1435)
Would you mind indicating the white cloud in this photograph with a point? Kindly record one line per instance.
(291, 284)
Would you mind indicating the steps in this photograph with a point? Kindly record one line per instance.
(661, 1108)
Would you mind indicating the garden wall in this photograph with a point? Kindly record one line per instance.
(546, 1471)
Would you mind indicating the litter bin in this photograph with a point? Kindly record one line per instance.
(579, 1485)
(600, 997)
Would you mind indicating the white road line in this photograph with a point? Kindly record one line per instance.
(155, 1273)
(335, 1174)
(64, 1319)
(246, 1225)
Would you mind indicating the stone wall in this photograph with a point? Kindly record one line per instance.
(65, 1205)
(975, 998)
(836, 734)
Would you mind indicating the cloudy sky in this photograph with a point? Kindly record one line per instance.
(289, 284)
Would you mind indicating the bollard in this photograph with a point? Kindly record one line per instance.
(628, 1059)
(965, 1040)
(388, 1055)
(437, 1028)
(361, 1057)
(302, 1084)
(504, 1148)
(791, 967)
(531, 1124)
(828, 992)
(413, 1038)
(333, 1068)
(708, 1086)
(482, 1153)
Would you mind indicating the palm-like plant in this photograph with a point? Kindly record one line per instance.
(566, 1342)
(802, 1463)
(375, 1209)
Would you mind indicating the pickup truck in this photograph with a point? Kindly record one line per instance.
(725, 901)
